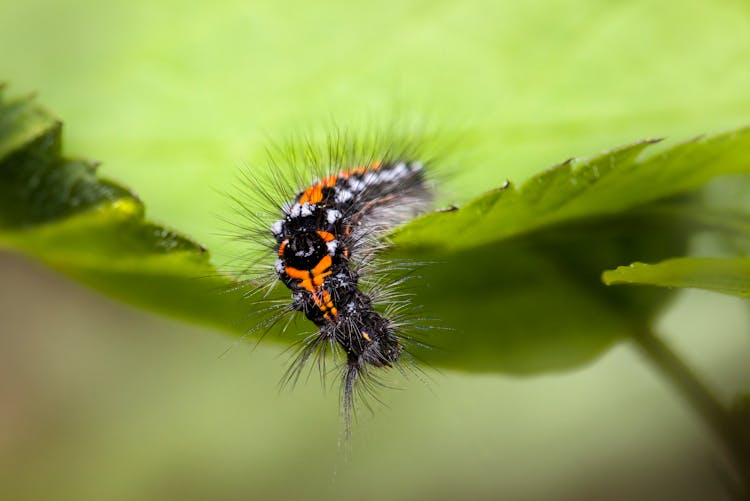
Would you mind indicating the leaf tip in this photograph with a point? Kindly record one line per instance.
(652, 140)
(450, 208)
(612, 277)
(128, 207)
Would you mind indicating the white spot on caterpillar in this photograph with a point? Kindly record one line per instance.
(343, 196)
(356, 185)
(332, 245)
(295, 210)
(277, 227)
(279, 266)
(400, 169)
(332, 215)
(305, 252)
(306, 210)
(387, 176)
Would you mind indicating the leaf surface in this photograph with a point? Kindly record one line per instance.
(728, 276)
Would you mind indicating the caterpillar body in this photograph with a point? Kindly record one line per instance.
(329, 223)
(328, 238)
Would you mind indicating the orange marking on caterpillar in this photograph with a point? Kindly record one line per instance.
(312, 195)
(318, 279)
(346, 174)
(330, 181)
(295, 273)
(301, 275)
(323, 265)
(282, 247)
(323, 301)
(326, 236)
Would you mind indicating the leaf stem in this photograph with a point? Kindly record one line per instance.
(703, 401)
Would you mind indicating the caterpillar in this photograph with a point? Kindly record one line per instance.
(327, 240)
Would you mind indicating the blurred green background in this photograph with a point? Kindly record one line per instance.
(100, 401)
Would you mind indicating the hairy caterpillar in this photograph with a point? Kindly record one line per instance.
(327, 238)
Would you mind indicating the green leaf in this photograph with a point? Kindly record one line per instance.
(515, 273)
(728, 276)
(57, 210)
(608, 184)
(528, 260)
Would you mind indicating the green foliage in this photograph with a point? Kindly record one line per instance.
(611, 183)
(57, 210)
(514, 275)
(729, 276)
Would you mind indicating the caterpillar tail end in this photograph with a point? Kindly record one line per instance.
(348, 388)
